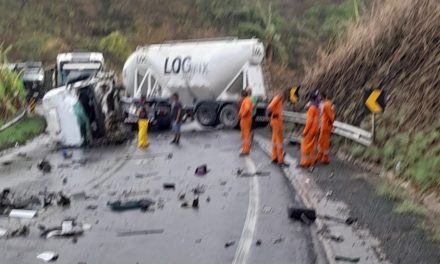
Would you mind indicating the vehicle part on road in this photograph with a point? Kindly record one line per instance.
(202, 170)
(168, 186)
(229, 116)
(143, 204)
(206, 114)
(24, 214)
(347, 259)
(229, 243)
(300, 214)
(140, 232)
(48, 256)
(44, 166)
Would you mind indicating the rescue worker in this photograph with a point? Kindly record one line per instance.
(142, 123)
(326, 126)
(275, 109)
(246, 109)
(310, 133)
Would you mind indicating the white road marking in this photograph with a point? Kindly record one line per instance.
(244, 245)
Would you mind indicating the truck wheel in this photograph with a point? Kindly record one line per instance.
(229, 116)
(206, 115)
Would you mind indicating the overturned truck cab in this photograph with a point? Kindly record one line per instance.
(85, 111)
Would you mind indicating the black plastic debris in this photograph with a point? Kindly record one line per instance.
(258, 242)
(202, 170)
(91, 207)
(21, 231)
(182, 196)
(278, 240)
(63, 200)
(208, 199)
(6, 163)
(195, 203)
(143, 204)
(347, 259)
(308, 216)
(229, 243)
(44, 166)
(169, 186)
(199, 189)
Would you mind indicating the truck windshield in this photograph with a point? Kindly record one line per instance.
(73, 70)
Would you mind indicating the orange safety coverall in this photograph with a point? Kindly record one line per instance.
(245, 114)
(310, 137)
(276, 122)
(327, 119)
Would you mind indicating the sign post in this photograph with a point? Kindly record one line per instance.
(375, 103)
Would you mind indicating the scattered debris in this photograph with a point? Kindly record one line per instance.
(267, 210)
(140, 232)
(195, 203)
(182, 196)
(143, 204)
(170, 155)
(347, 259)
(22, 155)
(328, 194)
(168, 186)
(91, 207)
(257, 173)
(86, 227)
(198, 241)
(20, 231)
(223, 183)
(68, 228)
(199, 189)
(48, 256)
(24, 214)
(229, 243)
(64, 181)
(258, 243)
(140, 176)
(278, 240)
(208, 199)
(63, 200)
(308, 216)
(44, 166)
(83, 196)
(3, 232)
(202, 170)
(6, 163)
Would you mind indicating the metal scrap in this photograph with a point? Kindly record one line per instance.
(47, 256)
(140, 232)
(143, 204)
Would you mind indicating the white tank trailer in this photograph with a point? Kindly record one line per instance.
(209, 76)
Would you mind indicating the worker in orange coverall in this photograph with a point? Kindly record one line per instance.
(245, 114)
(326, 126)
(275, 109)
(310, 133)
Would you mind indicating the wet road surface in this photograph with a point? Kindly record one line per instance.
(248, 212)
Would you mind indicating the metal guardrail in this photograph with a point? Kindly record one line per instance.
(345, 130)
(13, 121)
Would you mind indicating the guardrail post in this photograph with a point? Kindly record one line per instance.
(373, 127)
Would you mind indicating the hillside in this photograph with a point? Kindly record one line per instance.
(396, 49)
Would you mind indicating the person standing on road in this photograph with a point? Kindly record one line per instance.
(275, 109)
(142, 123)
(310, 133)
(176, 117)
(326, 126)
(245, 114)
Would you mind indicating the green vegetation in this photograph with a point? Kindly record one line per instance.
(115, 47)
(390, 191)
(22, 131)
(12, 92)
(410, 207)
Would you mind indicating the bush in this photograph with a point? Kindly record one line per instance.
(115, 46)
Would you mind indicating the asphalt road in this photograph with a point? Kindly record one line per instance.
(240, 210)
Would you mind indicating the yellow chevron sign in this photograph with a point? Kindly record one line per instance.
(375, 102)
(32, 105)
(294, 95)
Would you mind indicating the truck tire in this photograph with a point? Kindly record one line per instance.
(229, 116)
(206, 114)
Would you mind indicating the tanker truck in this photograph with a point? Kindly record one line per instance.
(209, 76)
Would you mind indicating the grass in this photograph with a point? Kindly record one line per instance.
(22, 131)
(410, 207)
(390, 191)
